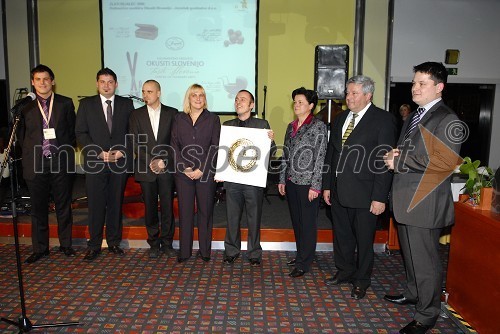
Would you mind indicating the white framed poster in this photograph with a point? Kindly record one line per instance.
(243, 155)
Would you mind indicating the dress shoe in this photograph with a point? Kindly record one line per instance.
(358, 292)
(91, 255)
(336, 280)
(255, 262)
(291, 262)
(400, 300)
(168, 250)
(182, 259)
(68, 251)
(204, 258)
(296, 273)
(230, 259)
(116, 250)
(415, 327)
(36, 256)
(154, 253)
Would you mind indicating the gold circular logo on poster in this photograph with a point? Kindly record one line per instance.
(240, 148)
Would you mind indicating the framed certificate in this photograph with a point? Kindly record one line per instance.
(243, 155)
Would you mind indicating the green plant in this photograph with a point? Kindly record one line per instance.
(479, 177)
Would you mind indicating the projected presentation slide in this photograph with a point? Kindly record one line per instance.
(180, 42)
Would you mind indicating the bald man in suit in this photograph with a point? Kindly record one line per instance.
(150, 126)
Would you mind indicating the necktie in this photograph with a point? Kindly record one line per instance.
(109, 115)
(414, 122)
(349, 129)
(45, 142)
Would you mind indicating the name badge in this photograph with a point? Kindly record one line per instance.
(49, 133)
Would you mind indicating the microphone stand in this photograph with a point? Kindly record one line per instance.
(23, 323)
(264, 107)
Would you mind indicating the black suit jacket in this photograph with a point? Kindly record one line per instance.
(361, 174)
(93, 135)
(30, 134)
(146, 147)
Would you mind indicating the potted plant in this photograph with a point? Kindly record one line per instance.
(479, 178)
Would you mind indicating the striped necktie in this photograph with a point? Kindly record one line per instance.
(349, 129)
(109, 115)
(414, 122)
(45, 142)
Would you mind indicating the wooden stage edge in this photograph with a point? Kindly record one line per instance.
(139, 233)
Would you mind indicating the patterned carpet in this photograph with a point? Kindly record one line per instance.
(135, 294)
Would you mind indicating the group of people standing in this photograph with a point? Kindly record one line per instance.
(352, 170)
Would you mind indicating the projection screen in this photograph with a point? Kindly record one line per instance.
(181, 42)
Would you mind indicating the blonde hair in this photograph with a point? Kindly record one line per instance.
(186, 107)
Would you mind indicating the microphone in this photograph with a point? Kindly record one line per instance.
(22, 103)
(133, 97)
(265, 89)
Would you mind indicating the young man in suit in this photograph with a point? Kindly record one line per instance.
(47, 137)
(357, 183)
(422, 153)
(241, 196)
(150, 126)
(101, 130)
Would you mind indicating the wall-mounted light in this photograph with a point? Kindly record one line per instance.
(452, 56)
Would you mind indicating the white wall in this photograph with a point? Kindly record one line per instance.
(424, 29)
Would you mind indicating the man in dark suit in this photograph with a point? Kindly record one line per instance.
(357, 183)
(241, 196)
(47, 137)
(421, 193)
(150, 126)
(101, 130)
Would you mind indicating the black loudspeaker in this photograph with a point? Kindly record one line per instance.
(330, 71)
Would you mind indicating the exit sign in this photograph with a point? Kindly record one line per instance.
(452, 70)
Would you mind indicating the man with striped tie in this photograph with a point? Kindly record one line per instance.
(357, 183)
(421, 193)
(47, 137)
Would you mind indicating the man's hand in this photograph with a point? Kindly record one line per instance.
(270, 134)
(377, 208)
(389, 158)
(157, 166)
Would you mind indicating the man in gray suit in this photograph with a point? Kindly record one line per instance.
(150, 127)
(240, 196)
(421, 194)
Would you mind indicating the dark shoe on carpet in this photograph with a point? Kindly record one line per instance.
(170, 252)
(336, 280)
(154, 253)
(296, 273)
(358, 292)
(255, 262)
(36, 256)
(68, 251)
(116, 250)
(204, 258)
(91, 255)
(400, 300)
(182, 259)
(415, 327)
(230, 259)
(291, 262)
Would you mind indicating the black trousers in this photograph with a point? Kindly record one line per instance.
(241, 197)
(304, 215)
(159, 232)
(105, 197)
(203, 193)
(424, 271)
(353, 228)
(52, 177)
